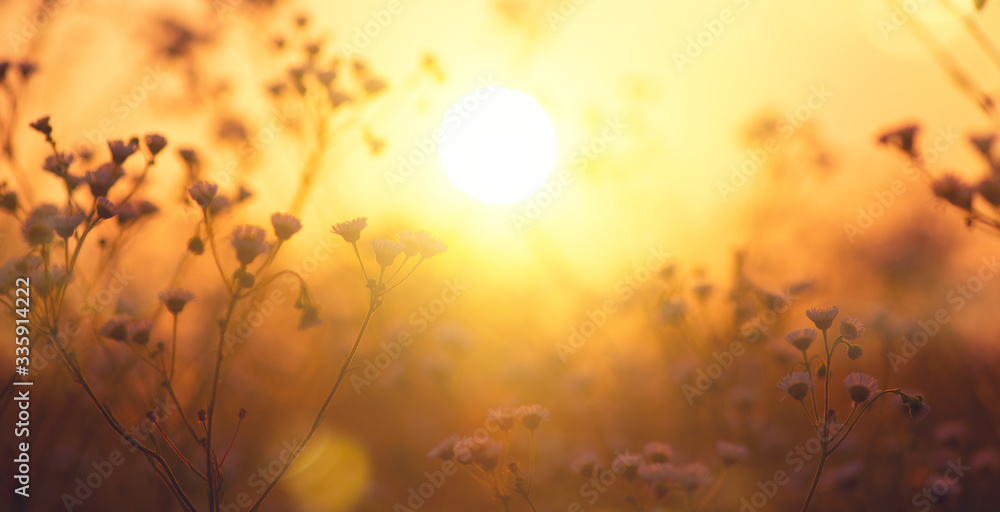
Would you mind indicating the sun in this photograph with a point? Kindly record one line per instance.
(498, 145)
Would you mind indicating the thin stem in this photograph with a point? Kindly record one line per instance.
(209, 459)
(173, 351)
(358, 254)
(812, 487)
(319, 417)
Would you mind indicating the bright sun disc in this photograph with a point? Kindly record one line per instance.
(497, 145)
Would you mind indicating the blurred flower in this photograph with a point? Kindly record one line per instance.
(338, 98)
(860, 386)
(42, 126)
(309, 317)
(983, 143)
(702, 291)
(944, 486)
(485, 453)
(374, 85)
(175, 299)
(504, 417)
(27, 69)
(203, 192)
(952, 189)
(990, 190)
(105, 208)
(196, 246)
(121, 150)
(249, 243)
(854, 352)
(658, 452)
(627, 465)
(694, 475)
(4, 65)
(823, 318)
(731, 453)
(127, 212)
(801, 338)
(58, 165)
(657, 472)
(219, 204)
(851, 328)
(37, 230)
(285, 225)
(532, 415)
(8, 201)
(138, 331)
(430, 246)
(351, 229)
(848, 476)
(65, 225)
(155, 142)
(915, 406)
(116, 328)
(901, 138)
(386, 251)
(586, 465)
(445, 450)
(101, 179)
(672, 311)
(950, 433)
(410, 241)
(45, 281)
(796, 384)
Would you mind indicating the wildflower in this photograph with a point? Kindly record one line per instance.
(585, 465)
(901, 138)
(285, 225)
(532, 415)
(203, 192)
(386, 251)
(823, 318)
(672, 311)
(105, 208)
(851, 328)
(485, 453)
(915, 406)
(627, 465)
(445, 450)
(944, 486)
(127, 213)
(190, 157)
(147, 208)
(854, 352)
(58, 165)
(44, 282)
(952, 189)
(338, 98)
(951, 433)
(658, 452)
(693, 476)
(138, 331)
(27, 69)
(243, 194)
(116, 328)
(702, 291)
(101, 179)
(731, 453)
(801, 338)
(657, 472)
(65, 225)
(4, 65)
(8, 201)
(990, 190)
(249, 243)
(797, 385)
(430, 246)
(120, 150)
(860, 386)
(309, 317)
(410, 241)
(155, 142)
(504, 417)
(984, 143)
(219, 204)
(175, 299)
(196, 246)
(351, 229)
(42, 126)
(374, 85)
(37, 230)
